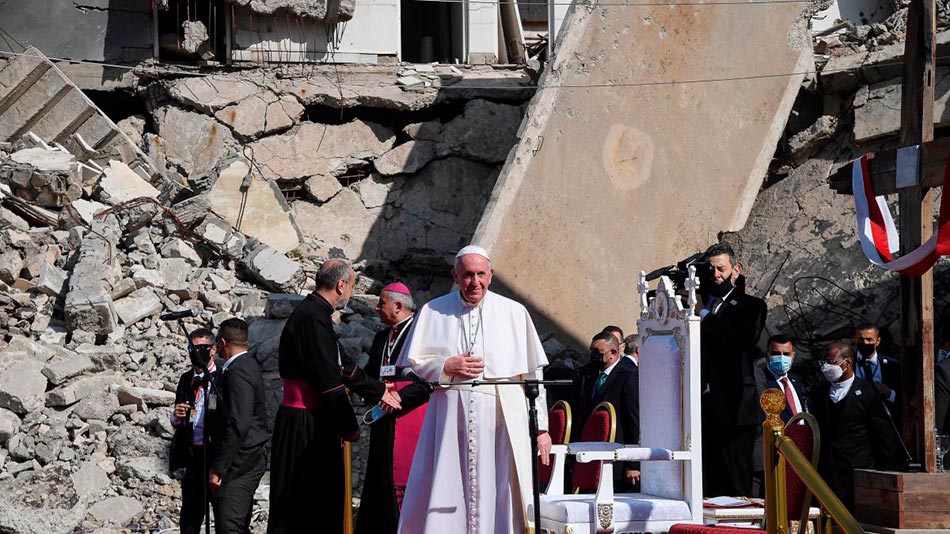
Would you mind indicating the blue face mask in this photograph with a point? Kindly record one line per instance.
(780, 364)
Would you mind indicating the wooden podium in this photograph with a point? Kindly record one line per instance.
(898, 501)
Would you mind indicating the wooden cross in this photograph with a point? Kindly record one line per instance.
(916, 226)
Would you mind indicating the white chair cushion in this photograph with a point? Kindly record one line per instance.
(628, 508)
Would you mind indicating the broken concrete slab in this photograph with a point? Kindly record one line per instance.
(50, 178)
(90, 480)
(485, 132)
(119, 183)
(407, 158)
(177, 248)
(271, 268)
(22, 386)
(88, 304)
(81, 388)
(261, 114)
(11, 263)
(9, 424)
(281, 305)
(82, 211)
(314, 149)
(192, 141)
(116, 511)
(143, 397)
(877, 108)
(220, 233)
(254, 205)
(195, 35)
(99, 406)
(323, 187)
(648, 142)
(8, 219)
(211, 93)
(51, 280)
(140, 304)
(62, 369)
(322, 10)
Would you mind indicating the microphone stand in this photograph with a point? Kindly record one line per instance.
(532, 390)
(205, 382)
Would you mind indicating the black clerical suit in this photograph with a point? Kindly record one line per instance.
(237, 424)
(622, 390)
(379, 511)
(187, 454)
(307, 454)
(890, 371)
(855, 434)
(729, 333)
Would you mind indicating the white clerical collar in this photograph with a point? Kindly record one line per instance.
(469, 305)
(840, 389)
(611, 368)
(227, 362)
(408, 318)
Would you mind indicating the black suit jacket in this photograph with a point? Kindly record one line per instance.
(729, 338)
(855, 434)
(890, 374)
(622, 390)
(237, 425)
(942, 395)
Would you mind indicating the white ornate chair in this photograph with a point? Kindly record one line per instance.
(671, 449)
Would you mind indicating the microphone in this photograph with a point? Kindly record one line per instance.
(174, 316)
(408, 374)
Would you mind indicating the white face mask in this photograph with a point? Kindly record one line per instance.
(831, 371)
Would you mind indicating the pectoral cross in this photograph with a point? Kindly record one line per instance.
(915, 223)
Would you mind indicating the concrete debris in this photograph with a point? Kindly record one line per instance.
(211, 93)
(193, 142)
(322, 188)
(877, 107)
(82, 211)
(406, 158)
(89, 303)
(11, 263)
(280, 306)
(808, 142)
(315, 149)
(133, 127)
(61, 369)
(90, 479)
(261, 114)
(51, 280)
(98, 407)
(195, 36)
(176, 248)
(22, 386)
(254, 205)
(219, 232)
(9, 424)
(8, 219)
(322, 10)
(120, 183)
(143, 397)
(81, 388)
(116, 511)
(140, 304)
(50, 178)
(271, 268)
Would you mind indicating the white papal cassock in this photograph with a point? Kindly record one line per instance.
(471, 471)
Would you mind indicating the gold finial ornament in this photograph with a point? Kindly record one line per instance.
(773, 402)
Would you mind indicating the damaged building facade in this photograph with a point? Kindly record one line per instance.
(202, 156)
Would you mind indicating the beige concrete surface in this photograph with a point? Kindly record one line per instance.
(617, 169)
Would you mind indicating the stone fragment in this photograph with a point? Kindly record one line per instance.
(83, 210)
(174, 274)
(142, 467)
(99, 406)
(34, 263)
(50, 178)
(210, 93)
(8, 219)
(877, 107)
(485, 132)
(192, 141)
(11, 263)
(261, 114)
(140, 304)
(271, 268)
(176, 248)
(281, 305)
(88, 304)
(219, 232)
(116, 511)
(51, 280)
(254, 205)
(123, 288)
(144, 397)
(119, 183)
(328, 12)
(9, 424)
(313, 149)
(62, 369)
(133, 127)
(22, 386)
(322, 187)
(195, 35)
(81, 388)
(90, 479)
(406, 158)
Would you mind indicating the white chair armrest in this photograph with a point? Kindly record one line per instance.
(592, 446)
(556, 483)
(651, 454)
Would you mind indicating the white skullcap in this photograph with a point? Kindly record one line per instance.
(473, 249)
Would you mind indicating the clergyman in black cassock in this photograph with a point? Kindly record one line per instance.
(315, 415)
(390, 451)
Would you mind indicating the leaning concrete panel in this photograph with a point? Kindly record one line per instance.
(628, 160)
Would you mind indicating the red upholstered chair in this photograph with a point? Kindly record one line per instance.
(600, 426)
(559, 428)
(802, 429)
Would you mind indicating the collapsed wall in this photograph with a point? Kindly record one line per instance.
(637, 151)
